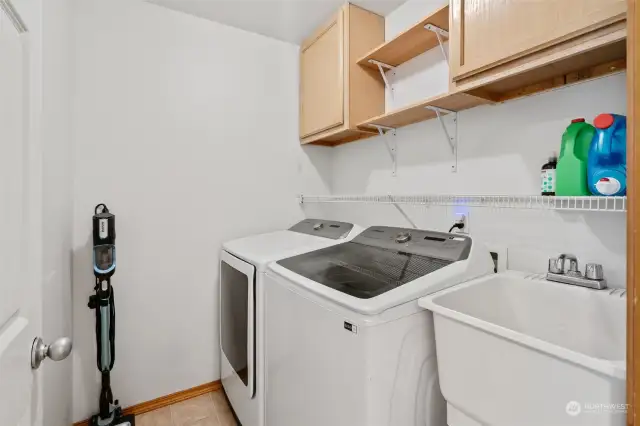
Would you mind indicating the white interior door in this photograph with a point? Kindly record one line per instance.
(18, 326)
(20, 218)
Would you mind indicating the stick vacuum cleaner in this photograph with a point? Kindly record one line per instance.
(104, 266)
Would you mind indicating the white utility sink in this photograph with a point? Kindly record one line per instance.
(519, 351)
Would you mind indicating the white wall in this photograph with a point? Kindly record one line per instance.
(501, 150)
(187, 129)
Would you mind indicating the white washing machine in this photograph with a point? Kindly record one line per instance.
(347, 343)
(242, 266)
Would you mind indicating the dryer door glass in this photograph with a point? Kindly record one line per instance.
(237, 317)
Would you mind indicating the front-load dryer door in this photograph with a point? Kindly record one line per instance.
(237, 317)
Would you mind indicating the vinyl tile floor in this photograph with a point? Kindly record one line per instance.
(210, 409)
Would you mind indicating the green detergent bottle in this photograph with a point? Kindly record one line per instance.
(571, 173)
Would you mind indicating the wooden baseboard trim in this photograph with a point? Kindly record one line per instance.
(164, 401)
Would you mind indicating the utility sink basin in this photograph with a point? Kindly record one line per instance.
(519, 351)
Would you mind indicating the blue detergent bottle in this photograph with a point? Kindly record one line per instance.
(607, 164)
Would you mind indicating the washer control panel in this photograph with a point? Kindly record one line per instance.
(440, 245)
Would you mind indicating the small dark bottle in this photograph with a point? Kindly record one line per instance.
(548, 176)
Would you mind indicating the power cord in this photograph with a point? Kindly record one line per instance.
(456, 225)
(459, 224)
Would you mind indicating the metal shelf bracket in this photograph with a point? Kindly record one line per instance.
(451, 140)
(402, 212)
(391, 147)
(439, 32)
(381, 68)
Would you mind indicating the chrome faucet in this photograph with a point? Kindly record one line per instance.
(560, 264)
(592, 278)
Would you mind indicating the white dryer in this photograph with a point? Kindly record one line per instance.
(242, 266)
(347, 343)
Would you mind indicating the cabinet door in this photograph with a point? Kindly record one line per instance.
(486, 33)
(322, 79)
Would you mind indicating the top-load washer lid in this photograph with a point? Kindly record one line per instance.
(305, 236)
(380, 259)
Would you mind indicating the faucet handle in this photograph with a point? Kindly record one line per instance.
(593, 271)
(556, 266)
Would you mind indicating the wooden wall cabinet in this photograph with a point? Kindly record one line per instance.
(335, 92)
(487, 33)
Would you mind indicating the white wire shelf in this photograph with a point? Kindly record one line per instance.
(536, 202)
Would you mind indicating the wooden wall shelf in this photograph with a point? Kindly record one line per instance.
(456, 101)
(592, 59)
(342, 136)
(409, 44)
